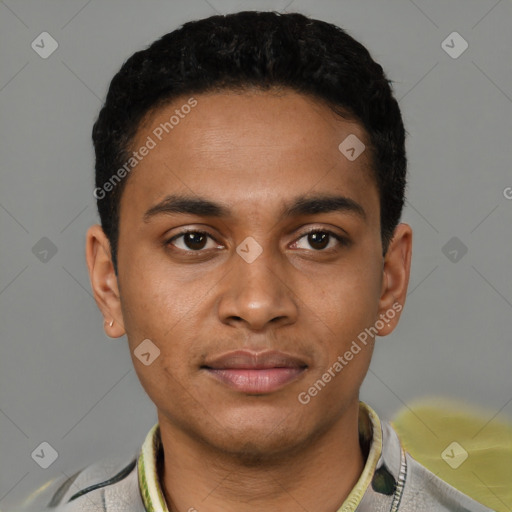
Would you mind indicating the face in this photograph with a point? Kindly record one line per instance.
(259, 278)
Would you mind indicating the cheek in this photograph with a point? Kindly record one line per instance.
(350, 298)
(169, 388)
(157, 305)
(154, 300)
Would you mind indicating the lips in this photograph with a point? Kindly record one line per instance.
(255, 372)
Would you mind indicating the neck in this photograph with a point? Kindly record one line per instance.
(317, 477)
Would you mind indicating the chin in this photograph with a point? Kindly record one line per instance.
(263, 443)
(258, 452)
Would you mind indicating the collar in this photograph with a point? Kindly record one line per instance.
(370, 437)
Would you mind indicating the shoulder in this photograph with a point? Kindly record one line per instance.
(423, 486)
(417, 488)
(439, 434)
(101, 486)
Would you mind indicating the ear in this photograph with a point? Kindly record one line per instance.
(395, 279)
(104, 280)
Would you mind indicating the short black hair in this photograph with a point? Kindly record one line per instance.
(245, 50)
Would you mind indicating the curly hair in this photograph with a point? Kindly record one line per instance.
(246, 50)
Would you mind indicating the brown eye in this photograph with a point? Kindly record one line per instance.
(320, 239)
(191, 241)
(194, 241)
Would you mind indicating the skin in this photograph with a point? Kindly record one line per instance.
(254, 152)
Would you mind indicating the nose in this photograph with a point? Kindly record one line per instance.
(258, 294)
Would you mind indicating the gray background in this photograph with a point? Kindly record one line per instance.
(64, 382)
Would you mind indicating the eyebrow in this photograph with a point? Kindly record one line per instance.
(302, 205)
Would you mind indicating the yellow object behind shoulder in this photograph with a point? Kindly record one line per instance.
(464, 446)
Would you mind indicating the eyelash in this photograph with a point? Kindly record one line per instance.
(344, 242)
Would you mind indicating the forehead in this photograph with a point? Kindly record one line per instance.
(245, 148)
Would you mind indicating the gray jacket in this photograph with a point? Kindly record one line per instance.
(398, 483)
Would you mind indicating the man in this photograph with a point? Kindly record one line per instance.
(250, 175)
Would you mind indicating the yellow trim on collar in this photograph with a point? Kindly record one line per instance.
(149, 481)
(356, 494)
(153, 497)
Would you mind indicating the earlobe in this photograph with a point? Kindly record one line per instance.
(395, 280)
(104, 280)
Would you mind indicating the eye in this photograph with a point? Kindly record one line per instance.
(319, 239)
(192, 241)
(197, 241)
